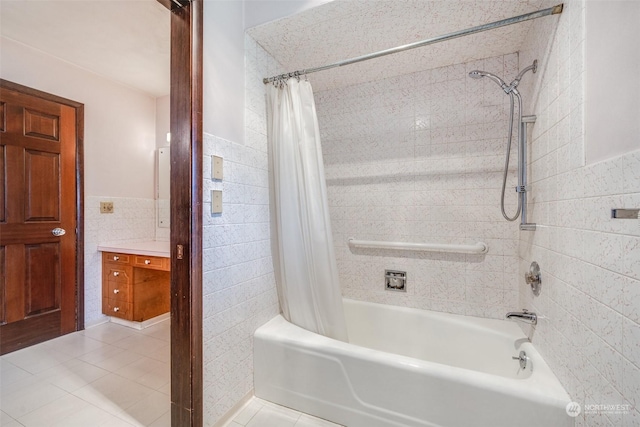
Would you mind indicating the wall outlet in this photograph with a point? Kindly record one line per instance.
(106, 207)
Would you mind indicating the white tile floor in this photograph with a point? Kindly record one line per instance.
(108, 375)
(260, 413)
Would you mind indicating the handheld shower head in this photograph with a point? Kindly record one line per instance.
(477, 74)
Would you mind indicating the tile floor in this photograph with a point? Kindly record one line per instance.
(108, 375)
(260, 413)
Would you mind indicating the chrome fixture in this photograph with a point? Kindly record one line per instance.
(511, 89)
(485, 27)
(532, 277)
(477, 74)
(395, 280)
(523, 316)
(522, 358)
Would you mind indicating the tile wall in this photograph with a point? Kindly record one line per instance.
(239, 285)
(590, 302)
(132, 219)
(419, 158)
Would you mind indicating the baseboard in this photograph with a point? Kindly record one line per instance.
(141, 325)
(233, 412)
(96, 322)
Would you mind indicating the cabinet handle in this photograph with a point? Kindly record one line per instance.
(116, 273)
(147, 261)
(116, 309)
(116, 291)
(116, 258)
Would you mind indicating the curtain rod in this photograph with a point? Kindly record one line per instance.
(509, 21)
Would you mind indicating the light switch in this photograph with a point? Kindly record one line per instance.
(216, 201)
(216, 167)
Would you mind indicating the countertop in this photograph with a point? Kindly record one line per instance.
(150, 248)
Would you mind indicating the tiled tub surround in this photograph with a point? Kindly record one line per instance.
(589, 330)
(239, 286)
(132, 219)
(419, 158)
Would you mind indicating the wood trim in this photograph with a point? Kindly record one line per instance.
(172, 5)
(186, 215)
(79, 108)
(80, 214)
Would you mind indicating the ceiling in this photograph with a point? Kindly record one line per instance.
(344, 29)
(122, 40)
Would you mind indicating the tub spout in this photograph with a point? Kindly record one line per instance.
(523, 316)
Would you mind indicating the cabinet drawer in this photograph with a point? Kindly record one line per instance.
(120, 292)
(153, 262)
(118, 309)
(117, 273)
(116, 257)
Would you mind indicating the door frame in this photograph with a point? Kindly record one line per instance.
(186, 211)
(79, 179)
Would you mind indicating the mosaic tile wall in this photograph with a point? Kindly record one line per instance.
(133, 219)
(590, 302)
(419, 158)
(239, 286)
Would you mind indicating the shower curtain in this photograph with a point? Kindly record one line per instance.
(302, 244)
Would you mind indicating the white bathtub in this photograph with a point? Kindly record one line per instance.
(408, 367)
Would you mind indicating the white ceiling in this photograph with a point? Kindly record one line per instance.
(123, 40)
(348, 28)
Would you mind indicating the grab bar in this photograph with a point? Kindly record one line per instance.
(477, 248)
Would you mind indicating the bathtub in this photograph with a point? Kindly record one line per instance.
(408, 367)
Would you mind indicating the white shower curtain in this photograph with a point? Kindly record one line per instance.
(303, 253)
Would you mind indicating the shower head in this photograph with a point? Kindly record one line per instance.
(476, 74)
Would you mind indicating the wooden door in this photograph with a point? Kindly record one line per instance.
(38, 276)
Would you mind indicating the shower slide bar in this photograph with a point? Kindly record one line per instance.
(477, 248)
(485, 27)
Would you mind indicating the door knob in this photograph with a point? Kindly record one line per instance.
(58, 232)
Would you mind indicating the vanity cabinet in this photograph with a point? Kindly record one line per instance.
(135, 287)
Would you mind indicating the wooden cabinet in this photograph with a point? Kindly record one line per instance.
(135, 287)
